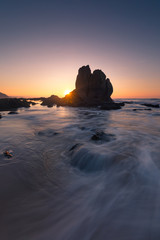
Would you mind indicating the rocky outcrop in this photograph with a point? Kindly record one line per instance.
(151, 105)
(52, 100)
(97, 86)
(92, 89)
(109, 88)
(82, 81)
(11, 104)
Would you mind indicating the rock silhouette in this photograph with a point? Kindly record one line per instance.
(52, 100)
(82, 81)
(92, 89)
(2, 95)
(12, 104)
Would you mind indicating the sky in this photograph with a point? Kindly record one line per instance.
(43, 43)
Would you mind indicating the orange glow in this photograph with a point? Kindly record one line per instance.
(33, 71)
(67, 92)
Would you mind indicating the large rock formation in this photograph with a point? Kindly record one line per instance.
(82, 81)
(92, 89)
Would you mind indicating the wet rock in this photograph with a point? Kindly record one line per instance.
(101, 136)
(51, 101)
(32, 103)
(13, 112)
(122, 104)
(12, 104)
(110, 106)
(47, 133)
(142, 109)
(50, 105)
(82, 128)
(151, 105)
(74, 147)
(8, 154)
(97, 136)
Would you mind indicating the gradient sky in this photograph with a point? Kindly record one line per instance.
(43, 43)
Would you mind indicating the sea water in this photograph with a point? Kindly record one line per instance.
(65, 183)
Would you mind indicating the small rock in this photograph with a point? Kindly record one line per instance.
(141, 109)
(110, 106)
(8, 154)
(50, 105)
(97, 136)
(122, 104)
(32, 103)
(82, 128)
(47, 133)
(52, 100)
(151, 105)
(13, 112)
(101, 136)
(74, 146)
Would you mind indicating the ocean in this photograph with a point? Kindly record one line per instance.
(81, 173)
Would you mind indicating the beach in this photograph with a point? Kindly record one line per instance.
(81, 173)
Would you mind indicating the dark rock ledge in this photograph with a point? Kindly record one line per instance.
(151, 105)
(12, 104)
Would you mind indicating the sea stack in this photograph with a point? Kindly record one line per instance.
(92, 90)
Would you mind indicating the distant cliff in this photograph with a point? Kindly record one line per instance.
(2, 95)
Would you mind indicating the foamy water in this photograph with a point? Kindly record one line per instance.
(62, 184)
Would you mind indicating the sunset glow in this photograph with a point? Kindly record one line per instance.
(67, 92)
(41, 56)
